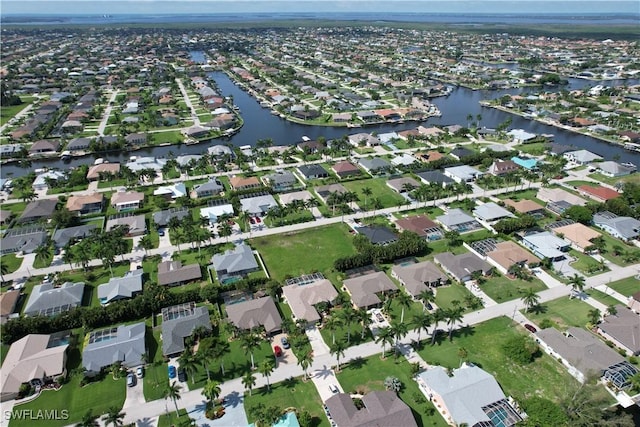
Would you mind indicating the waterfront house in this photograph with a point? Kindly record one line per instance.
(41, 182)
(136, 138)
(581, 157)
(44, 146)
(109, 169)
(124, 344)
(363, 140)
(85, 204)
(614, 169)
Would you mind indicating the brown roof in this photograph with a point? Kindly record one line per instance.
(577, 233)
(8, 302)
(415, 277)
(363, 289)
(302, 298)
(600, 193)
(509, 253)
(430, 156)
(254, 313)
(524, 206)
(345, 166)
(418, 224)
(76, 203)
(171, 272)
(239, 182)
(95, 170)
(126, 197)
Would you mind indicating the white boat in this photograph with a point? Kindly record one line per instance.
(65, 155)
(305, 138)
(98, 161)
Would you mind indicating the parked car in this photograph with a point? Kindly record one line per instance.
(333, 389)
(285, 342)
(131, 379)
(160, 231)
(182, 375)
(277, 350)
(258, 220)
(172, 372)
(530, 328)
(140, 372)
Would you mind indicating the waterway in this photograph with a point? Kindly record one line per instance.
(259, 123)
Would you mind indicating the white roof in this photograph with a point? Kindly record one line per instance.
(212, 212)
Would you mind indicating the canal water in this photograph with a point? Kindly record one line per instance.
(260, 123)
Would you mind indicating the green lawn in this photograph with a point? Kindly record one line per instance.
(8, 112)
(626, 287)
(11, 262)
(155, 375)
(602, 297)
(171, 419)
(92, 278)
(379, 189)
(585, 264)
(563, 313)
(446, 294)
(294, 254)
(364, 375)
(294, 393)
(44, 261)
(543, 377)
(536, 148)
(502, 288)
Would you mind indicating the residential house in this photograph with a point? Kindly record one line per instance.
(38, 210)
(422, 226)
(598, 193)
(119, 288)
(220, 151)
(634, 302)
(418, 277)
(468, 395)
(559, 200)
(240, 183)
(583, 354)
(345, 169)
(491, 212)
(124, 344)
(379, 408)
(280, 180)
(5, 216)
(579, 235)
(461, 153)
(429, 156)
(503, 167)
(546, 245)
(403, 185)
(63, 236)
(364, 289)
(124, 201)
(622, 329)
(581, 157)
(375, 165)
(526, 207)
(621, 227)
(458, 220)
(173, 273)
(44, 146)
(78, 144)
(255, 313)
(462, 267)
(213, 187)
(33, 357)
(96, 171)
(47, 300)
(363, 140)
(135, 225)
(42, 180)
(257, 204)
(8, 303)
(215, 209)
(138, 164)
(520, 136)
(404, 159)
(313, 171)
(310, 147)
(171, 192)
(288, 198)
(85, 204)
(178, 322)
(324, 191)
(24, 240)
(614, 169)
(236, 262)
(435, 177)
(162, 218)
(136, 139)
(463, 173)
(302, 298)
(378, 235)
(505, 255)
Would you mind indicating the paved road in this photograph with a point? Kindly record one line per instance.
(107, 113)
(185, 95)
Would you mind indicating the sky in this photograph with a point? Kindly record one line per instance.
(156, 7)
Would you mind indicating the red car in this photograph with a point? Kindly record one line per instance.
(278, 351)
(530, 328)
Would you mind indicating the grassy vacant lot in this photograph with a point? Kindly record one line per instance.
(11, 262)
(368, 374)
(294, 393)
(502, 288)
(379, 190)
(455, 292)
(602, 297)
(563, 313)
(483, 342)
(294, 254)
(626, 287)
(8, 112)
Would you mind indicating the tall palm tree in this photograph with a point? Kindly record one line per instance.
(266, 369)
(426, 296)
(438, 315)
(530, 299)
(577, 284)
(42, 252)
(384, 337)
(211, 390)
(399, 331)
(333, 322)
(366, 191)
(422, 321)
(221, 349)
(404, 300)
(305, 360)
(248, 381)
(88, 420)
(337, 350)
(225, 230)
(250, 342)
(114, 416)
(189, 362)
(365, 320)
(207, 354)
(173, 392)
(348, 316)
(454, 316)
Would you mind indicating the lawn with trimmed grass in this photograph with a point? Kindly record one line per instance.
(8, 112)
(483, 342)
(293, 393)
(379, 189)
(156, 377)
(626, 287)
(355, 334)
(298, 253)
(502, 288)
(602, 297)
(445, 295)
(11, 262)
(585, 264)
(562, 312)
(171, 418)
(365, 375)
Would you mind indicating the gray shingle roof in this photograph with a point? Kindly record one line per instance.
(38, 209)
(174, 331)
(238, 259)
(254, 313)
(162, 218)
(127, 346)
(63, 236)
(172, 272)
(462, 266)
(46, 299)
(120, 287)
(363, 289)
(414, 276)
(381, 408)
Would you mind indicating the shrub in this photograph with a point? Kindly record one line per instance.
(520, 349)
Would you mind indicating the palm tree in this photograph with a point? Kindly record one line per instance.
(248, 381)
(211, 390)
(365, 320)
(189, 362)
(337, 350)
(422, 321)
(453, 316)
(113, 416)
(305, 360)
(221, 349)
(399, 331)
(366, 191)
(612, 310)
(333, 322)
(250, 342)
(348, 316)
(3, 270)
(594, 316)
(68, 257)
(426, 296)
(530, 299)
(385, 336)
(577, 284)
(42, 252)
(462, 354)
(404, 300)
(266, 369)
(207, 354)
(145, 243)
(173, 392)
(88, 420)
(225, 230)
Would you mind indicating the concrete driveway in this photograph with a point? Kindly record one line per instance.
(135, 395)
(287, 358)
